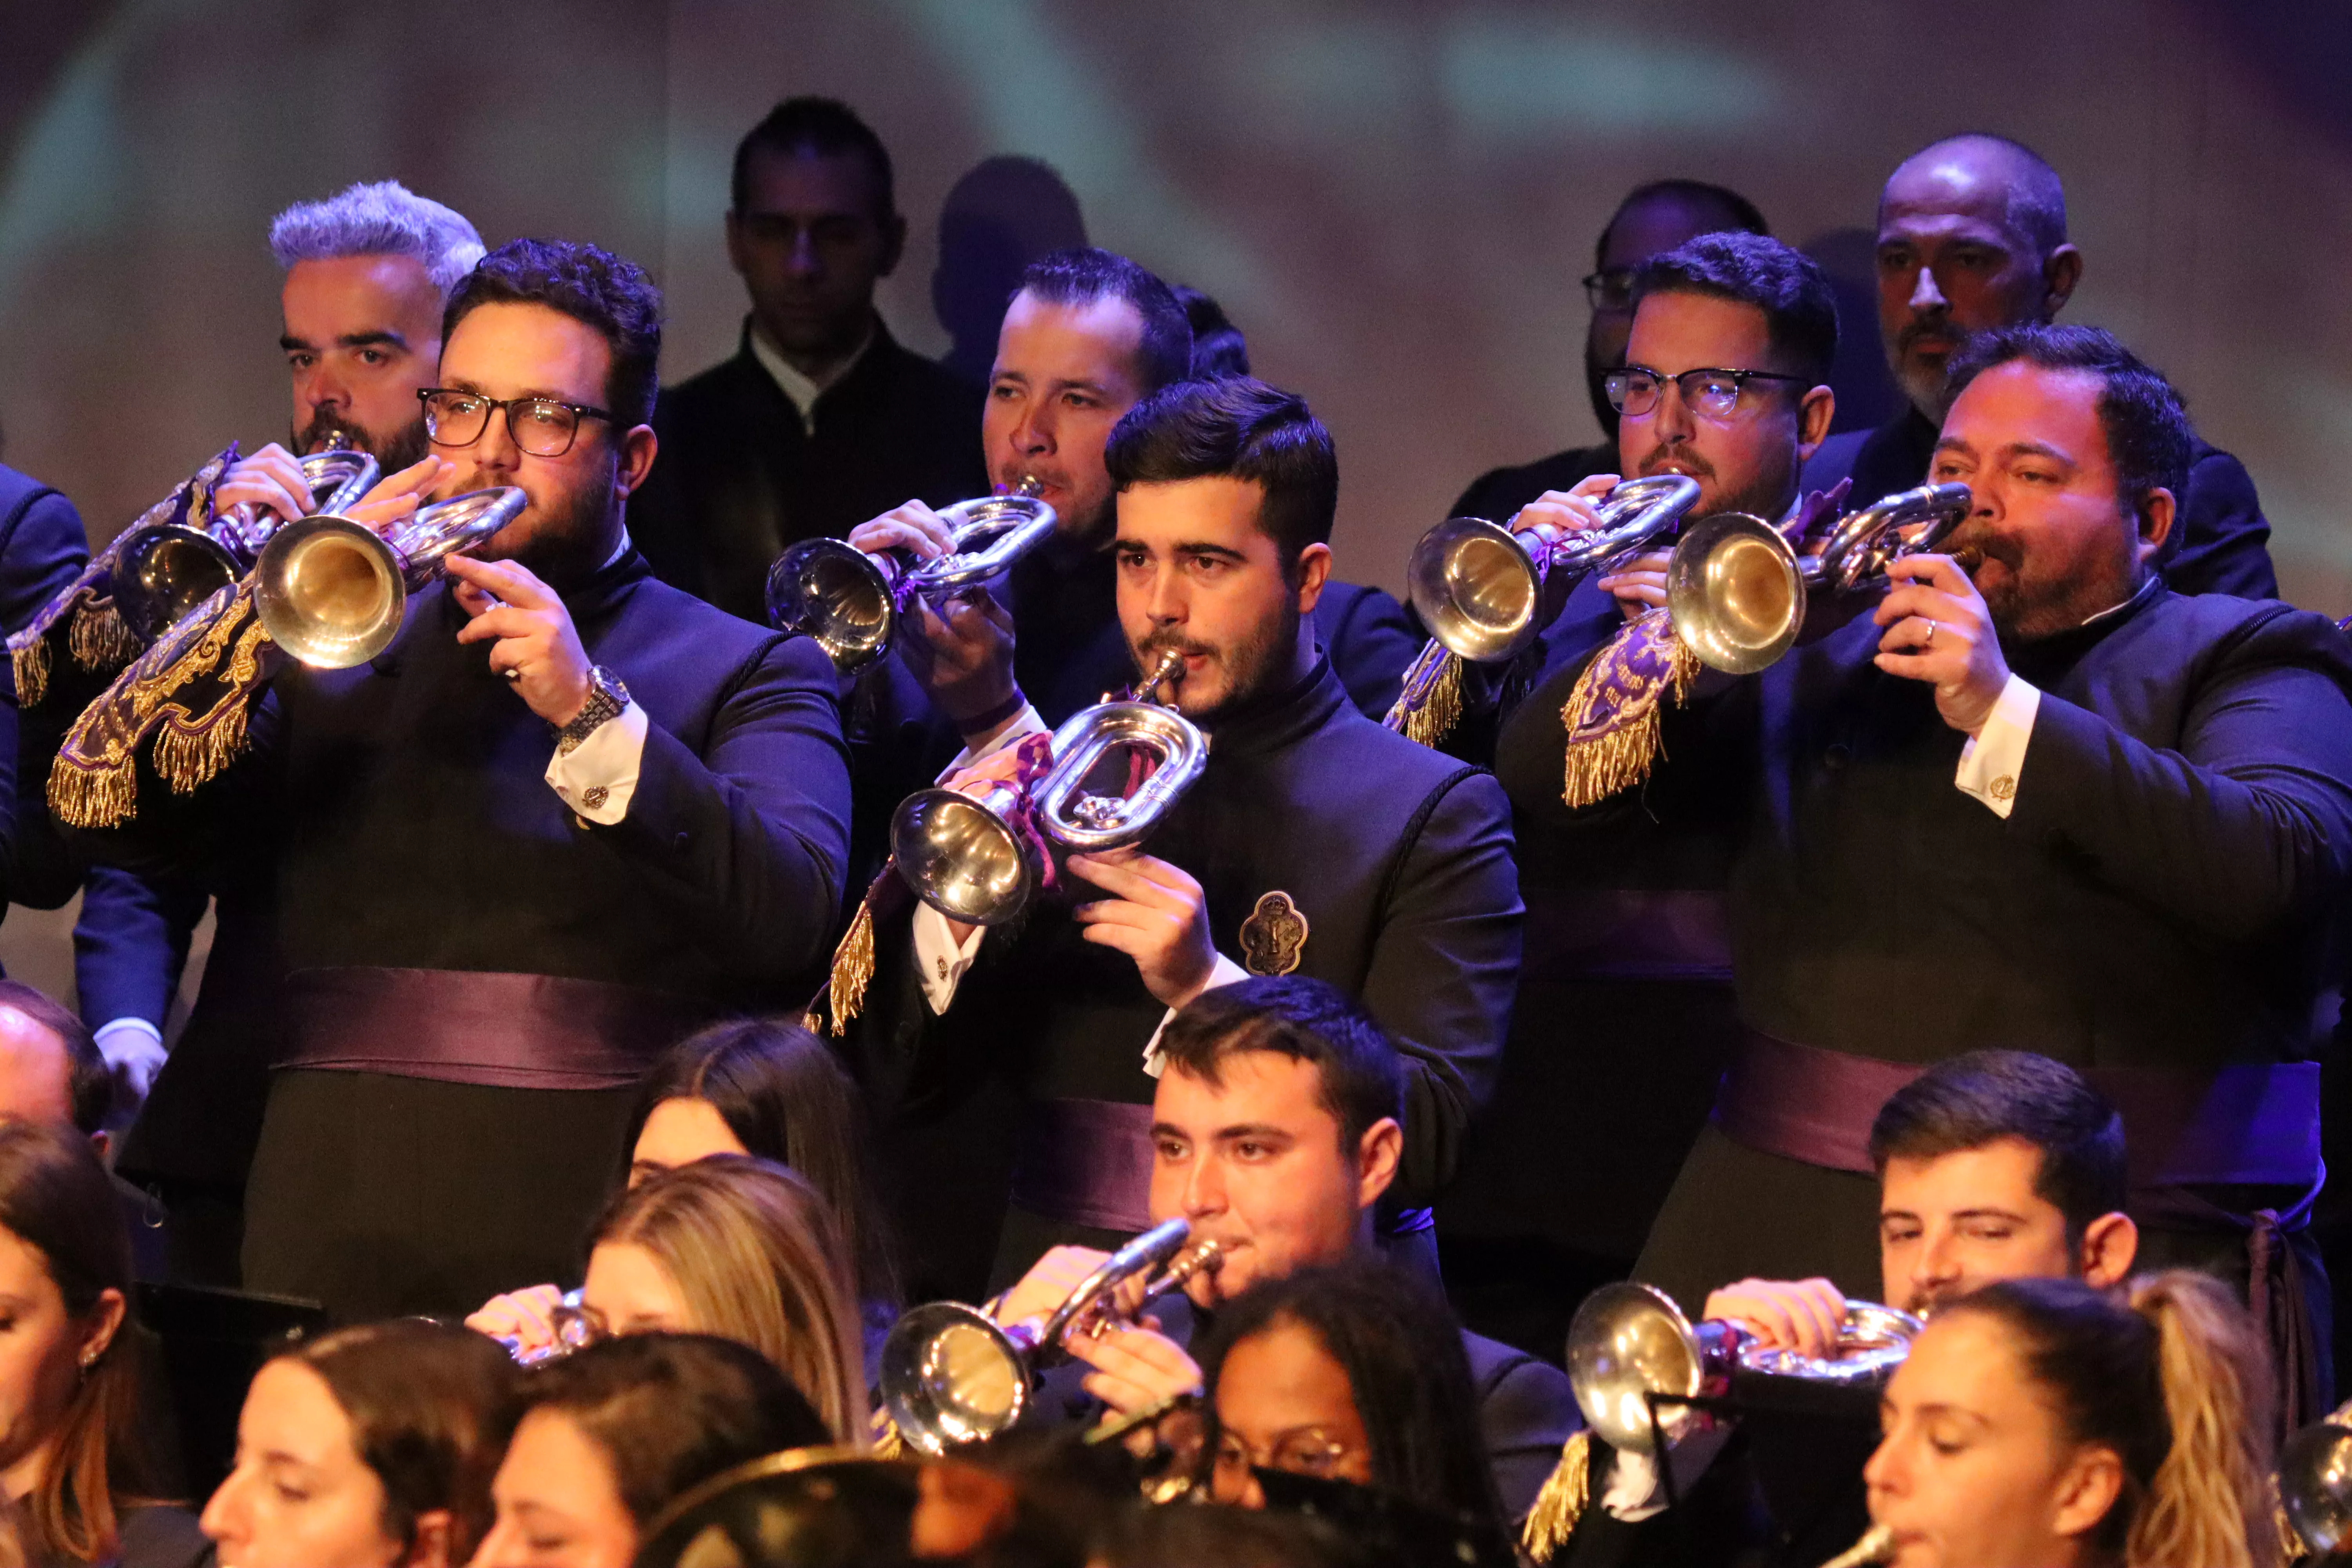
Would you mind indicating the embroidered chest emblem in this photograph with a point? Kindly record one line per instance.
(1274, 936)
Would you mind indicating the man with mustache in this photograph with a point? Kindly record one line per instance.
(2060, 806)
(1625, 1018)
(1972, 237)
(368, 271)
(568, 814)
(1314, 842)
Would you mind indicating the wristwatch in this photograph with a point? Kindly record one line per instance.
(606, 698)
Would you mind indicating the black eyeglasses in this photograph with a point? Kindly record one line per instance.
(543, 426)
(1712, 394)
(1611, 290)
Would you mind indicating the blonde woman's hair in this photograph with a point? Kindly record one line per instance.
(2174, 1378)
(758, 1258)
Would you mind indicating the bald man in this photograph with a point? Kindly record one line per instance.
(1652, 220)
(1972, 235)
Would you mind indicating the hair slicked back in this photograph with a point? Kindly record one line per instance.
(1084, 274)
(592, 285)
(825, 127)
(1982, 1098)
(2147, 432)
(1361, 1079)
(1800, 311)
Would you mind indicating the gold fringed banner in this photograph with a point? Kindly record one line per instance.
(181, 699)
(94, 633)
(1560, 1505)
(1612, 714)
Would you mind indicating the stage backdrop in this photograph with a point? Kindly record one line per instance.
(1393, 198)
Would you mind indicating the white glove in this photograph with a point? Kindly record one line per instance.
(133, 1049)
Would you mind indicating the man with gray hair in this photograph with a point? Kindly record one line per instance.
(1972, 237)
(367, 273)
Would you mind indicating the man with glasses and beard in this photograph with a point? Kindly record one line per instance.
(2060, 806)
(1972, 237)
(367, 273)
(1314, 842)
(1625, 1018)
(567, 816)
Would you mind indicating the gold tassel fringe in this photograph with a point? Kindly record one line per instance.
(30, 654)
(99, 639)
(853, 964)
(188, 758)
(1560, 1505)
(1596, 769)
(1441, 707)
(887, 1442)
(94, 798)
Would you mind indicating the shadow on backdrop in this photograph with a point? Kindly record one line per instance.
(1866, 393)
(1002, 215)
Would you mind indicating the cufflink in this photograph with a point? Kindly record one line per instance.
(2004, 786)
(595, 797)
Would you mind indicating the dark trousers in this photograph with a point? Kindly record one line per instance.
(381, 1196)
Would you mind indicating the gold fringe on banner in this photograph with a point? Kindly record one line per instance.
(853, 965)
(94, 798)
(1612, 714)
(30, 654)
(1441, 709)
(1566, 1492)
(97, 638)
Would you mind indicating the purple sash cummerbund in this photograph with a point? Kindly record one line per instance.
(500, 1031)
(1627, 934)
(2250, 1122)
(1086, 1161)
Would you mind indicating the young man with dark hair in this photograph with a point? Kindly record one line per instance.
(1314, 842)
(820, 419)
(2082, 814)
(1652, 220)
(570, 813)
(1971, 237)
(1993, 1165)
(1278, 1125)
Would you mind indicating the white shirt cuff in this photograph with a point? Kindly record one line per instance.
(1021, 726)
(1995, 755)
(1224, 972)
(598, 778)
(938, 958)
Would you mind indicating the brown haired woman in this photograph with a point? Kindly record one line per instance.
(2043, 1423)
(371, 1448)
(71, 1363)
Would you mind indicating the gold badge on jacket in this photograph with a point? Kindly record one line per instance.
(1273, 935)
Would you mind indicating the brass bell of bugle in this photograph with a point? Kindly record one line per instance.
(1479, 587)
(969, 856)
(1629, 1341)
(2314, 1484)
(167, 570)
(333, 593)
(1738, 591)
(850, 602)
(950, 1375)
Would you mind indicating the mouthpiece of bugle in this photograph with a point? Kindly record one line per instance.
(1967, 558)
